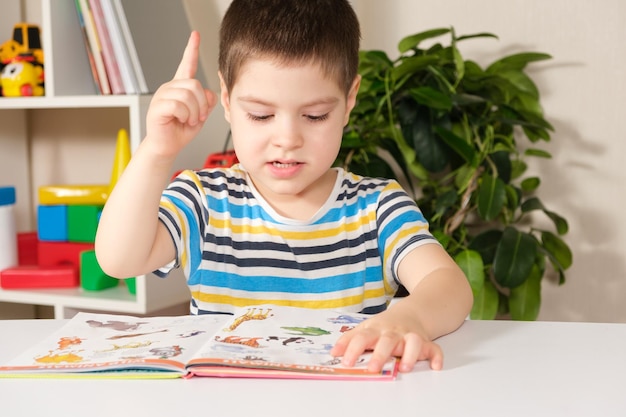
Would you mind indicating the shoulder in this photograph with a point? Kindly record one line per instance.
(359, 185)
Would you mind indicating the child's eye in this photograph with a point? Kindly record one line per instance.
(259, 118)
(319, 118)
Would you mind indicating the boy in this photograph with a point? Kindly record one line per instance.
(283, 226)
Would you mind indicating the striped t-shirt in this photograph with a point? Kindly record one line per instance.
(237, 251)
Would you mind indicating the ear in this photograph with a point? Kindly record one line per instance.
(351, 99)
(224, 97)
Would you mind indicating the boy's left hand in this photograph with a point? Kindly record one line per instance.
(388, 334)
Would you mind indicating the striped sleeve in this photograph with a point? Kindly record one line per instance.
(184, 212)
(401, 228)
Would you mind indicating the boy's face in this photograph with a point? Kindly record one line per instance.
(287, 124)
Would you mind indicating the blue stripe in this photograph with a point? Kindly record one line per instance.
(265, 284)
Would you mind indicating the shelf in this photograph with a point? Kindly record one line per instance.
(30, 121)
(67, 102)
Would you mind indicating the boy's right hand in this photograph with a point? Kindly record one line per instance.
(179, 107)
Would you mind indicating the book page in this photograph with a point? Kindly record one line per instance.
(281, 338)
(98, 342)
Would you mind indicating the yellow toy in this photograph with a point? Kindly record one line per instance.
(21, 63)
(26, 40)
(22, 77)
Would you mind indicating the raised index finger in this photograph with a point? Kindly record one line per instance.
(189, 62)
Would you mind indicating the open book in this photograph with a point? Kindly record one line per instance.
(259, 342)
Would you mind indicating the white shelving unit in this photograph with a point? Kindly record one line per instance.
(69, 88)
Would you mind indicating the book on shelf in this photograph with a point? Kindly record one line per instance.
(158, 37)
(94, 49)
(108, 53)
(129, 41)
(127, 72)
(256, 342)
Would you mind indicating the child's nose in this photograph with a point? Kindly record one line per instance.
(289, 136)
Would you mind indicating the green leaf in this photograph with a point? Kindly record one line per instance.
(486, 244)
(538, 153)
(485, 303)
(535, 204)
(516, 61)
(458, 144)
(477, 35)
(430, 97)
(530, 184)
(413, 41)
(417, 130)
(472, 266)
(491, 197)
(557, 249)
(410, 66)
(525, 300)
(514, 258)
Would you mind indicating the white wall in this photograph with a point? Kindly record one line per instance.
(583, 91)
(583, 95)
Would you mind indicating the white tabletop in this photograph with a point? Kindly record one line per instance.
(492, 368)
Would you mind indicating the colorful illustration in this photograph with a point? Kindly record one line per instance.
(306, 331)
(346, 319)
(66, 342)
(250, 314)
(252, 342)
(255, 339)
(167, 352)
(58, 358)
(115, 325)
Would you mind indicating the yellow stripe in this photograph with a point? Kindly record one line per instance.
(313, 304)
(226, 224)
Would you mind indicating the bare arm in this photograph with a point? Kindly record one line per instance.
(130, 240)
(440, 299)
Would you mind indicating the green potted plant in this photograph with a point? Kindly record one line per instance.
(459, 134)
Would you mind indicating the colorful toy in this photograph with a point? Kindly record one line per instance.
(22, 77)
(61, 252)
(33, 276)
(26, 40)
(121, 158)
(21, 63)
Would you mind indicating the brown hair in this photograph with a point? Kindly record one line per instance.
(291, 31)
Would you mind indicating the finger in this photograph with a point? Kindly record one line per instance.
(385, 348)
(189, 62)
(416, 350)
(359, 343)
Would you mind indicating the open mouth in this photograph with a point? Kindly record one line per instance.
(283, 165)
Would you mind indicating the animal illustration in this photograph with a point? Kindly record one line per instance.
(316, 350)
(345, 328)
(135, 345)
(289, 340)
(57, 358)
(167, 352)
(250, 314)
(306, 331)
(252, 342)
(115, 325)
(65, 342)
(346, 319)
(190, 334)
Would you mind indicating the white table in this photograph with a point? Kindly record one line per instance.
(492, 368)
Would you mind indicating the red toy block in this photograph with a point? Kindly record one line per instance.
(32, 276)
(27, 248)
(61, 253)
